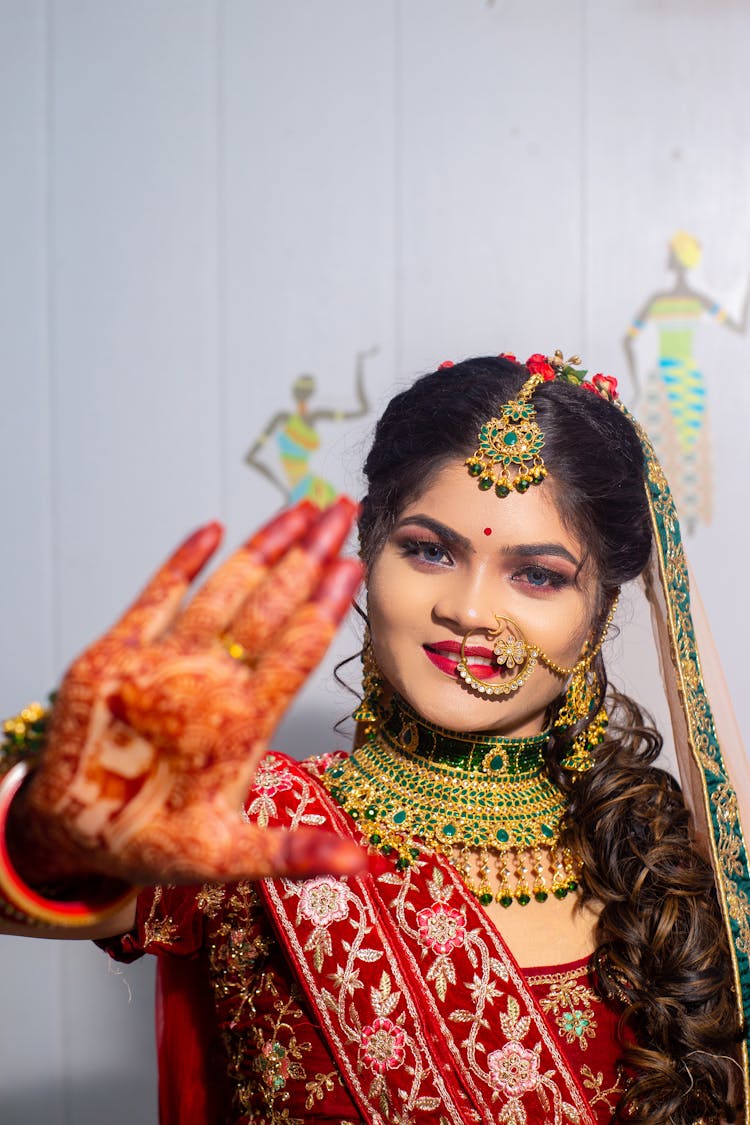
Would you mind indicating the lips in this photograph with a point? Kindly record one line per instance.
(445, 655)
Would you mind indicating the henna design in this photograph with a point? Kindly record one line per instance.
(156, 732)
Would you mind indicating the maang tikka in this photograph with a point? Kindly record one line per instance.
(508, 456)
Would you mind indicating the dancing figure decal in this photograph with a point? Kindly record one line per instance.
(675, 410)
(297, 439)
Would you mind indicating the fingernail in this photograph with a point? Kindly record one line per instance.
(377, 864)
(320, 853)
(276, 537)
(326, 537)
(338, 586)
(192, 554)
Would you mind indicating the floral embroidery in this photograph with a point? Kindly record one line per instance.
(382, 1045)
(210, 897)
(324, 900)
(272, 778)
(572, 1005)
(514, 1070)
(596, 1082)
(441, 928)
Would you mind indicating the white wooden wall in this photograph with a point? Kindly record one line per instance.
(201, 199)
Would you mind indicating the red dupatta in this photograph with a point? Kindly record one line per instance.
(423, 1007)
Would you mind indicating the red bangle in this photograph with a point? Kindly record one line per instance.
(21, 903)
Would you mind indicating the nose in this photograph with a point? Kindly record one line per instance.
(468, 602)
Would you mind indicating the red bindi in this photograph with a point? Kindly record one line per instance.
(488, 531)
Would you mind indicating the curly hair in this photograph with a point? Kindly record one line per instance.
(661, 949)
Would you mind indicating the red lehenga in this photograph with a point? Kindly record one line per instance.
(380, 1000)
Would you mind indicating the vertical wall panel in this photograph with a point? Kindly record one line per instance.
(490, 206)
(31, 1050)
(309, 171)
(668, 148)
(134, 274)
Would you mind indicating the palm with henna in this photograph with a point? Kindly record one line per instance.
(157, 730)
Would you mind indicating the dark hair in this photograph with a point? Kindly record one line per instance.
(661, 948)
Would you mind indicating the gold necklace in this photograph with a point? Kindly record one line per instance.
(488, 799)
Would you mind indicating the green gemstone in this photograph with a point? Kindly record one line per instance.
(336, 772)
(522, 484)
(547, 831)
(498, 762)
(506, 901)
(540, 896)
(524, 900)
(353, 813)
(371, 812)
(402, 863)
(502, 836)
(502, 490)
(387, 849)
(449, 830)
(573, 886)
(399, 817)
(375, 838)
(485, 483)
(537, 478)
(485, 899)
(510, 438)
(561, 892)
(414, 853)
(475, 469)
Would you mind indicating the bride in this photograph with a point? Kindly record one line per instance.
(496, 908)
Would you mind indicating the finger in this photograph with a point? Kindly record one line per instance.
(291, 582)
(260, 853)
(301, 644)
(226, 849)
(153, 609)
(216, 603)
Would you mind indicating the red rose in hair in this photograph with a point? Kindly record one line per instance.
(605, 386)
(508, 355)
(538, 365)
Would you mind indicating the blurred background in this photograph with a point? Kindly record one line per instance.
(204, 201)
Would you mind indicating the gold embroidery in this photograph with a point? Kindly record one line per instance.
(158, 930)
(595, 1083)
(572, 1004)
(210, 897)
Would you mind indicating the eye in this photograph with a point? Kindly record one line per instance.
(427, 551)
(541, 578)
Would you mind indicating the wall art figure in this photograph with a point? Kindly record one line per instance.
(675, 402)
(296, 438)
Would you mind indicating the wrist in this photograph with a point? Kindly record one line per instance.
(40, 883)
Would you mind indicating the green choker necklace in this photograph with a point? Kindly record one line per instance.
(476, 801)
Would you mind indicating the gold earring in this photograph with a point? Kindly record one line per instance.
(369, 709)
(510, 650)
(578, 704)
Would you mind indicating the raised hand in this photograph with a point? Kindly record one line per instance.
(157, 730)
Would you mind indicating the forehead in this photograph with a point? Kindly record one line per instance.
(453, 498)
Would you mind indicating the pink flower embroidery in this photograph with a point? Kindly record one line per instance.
(513, 1070)
(441, 928)
(324, 900)
(382, 1045)
(273, 778)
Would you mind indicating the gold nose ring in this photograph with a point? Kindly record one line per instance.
(510, 650)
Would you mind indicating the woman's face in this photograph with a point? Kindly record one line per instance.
(456, 558)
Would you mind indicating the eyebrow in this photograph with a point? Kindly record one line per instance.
(524, 550)
(447, 534)
(529, 550)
